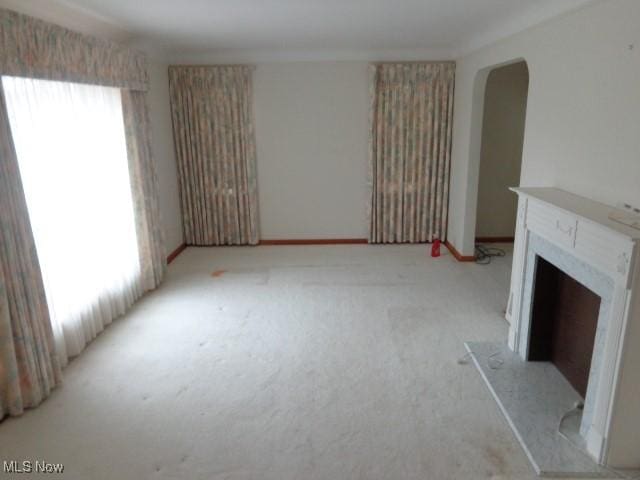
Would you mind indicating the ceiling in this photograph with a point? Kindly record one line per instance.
(442, 28)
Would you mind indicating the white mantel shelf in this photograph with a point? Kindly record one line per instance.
(581, 207)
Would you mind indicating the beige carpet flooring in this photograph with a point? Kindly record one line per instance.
(327, 363)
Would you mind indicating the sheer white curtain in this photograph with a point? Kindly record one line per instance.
(71, 148)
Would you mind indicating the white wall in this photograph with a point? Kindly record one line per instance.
(582, 129)
(311, 138)
(505, 106)
(164, 154)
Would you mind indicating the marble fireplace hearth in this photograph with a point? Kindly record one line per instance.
(534, 397)
(594, 258)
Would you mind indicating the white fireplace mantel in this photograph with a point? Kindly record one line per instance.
(580, 231)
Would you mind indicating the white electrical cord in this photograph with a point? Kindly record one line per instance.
(493, 364)
(575, 410)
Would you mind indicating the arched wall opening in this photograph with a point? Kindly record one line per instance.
(503, 122)
(475, 151)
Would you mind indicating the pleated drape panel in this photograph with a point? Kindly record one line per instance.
(144, 188)
(29, 365)
(32, 347)
(411, 113)
(214, 136)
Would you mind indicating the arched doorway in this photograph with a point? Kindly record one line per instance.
(502, 137)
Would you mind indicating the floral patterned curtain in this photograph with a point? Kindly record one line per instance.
(29, 365)
(213, 131)
(36, 49)
(144, 187)
(411, 115)
(29, 360)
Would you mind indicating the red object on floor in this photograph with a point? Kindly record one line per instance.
(435, 248)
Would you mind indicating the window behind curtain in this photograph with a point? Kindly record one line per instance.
(71, 148)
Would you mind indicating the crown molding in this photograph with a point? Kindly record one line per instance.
(312, 55)
(516, 26)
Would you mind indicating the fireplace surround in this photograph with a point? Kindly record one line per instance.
(575, 236)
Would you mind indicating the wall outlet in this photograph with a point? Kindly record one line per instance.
(626, 214)
(627, 207)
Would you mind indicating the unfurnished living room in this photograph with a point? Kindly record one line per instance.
(319, 240)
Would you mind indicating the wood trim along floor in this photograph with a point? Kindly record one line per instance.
(457, 254)
(311, 241)
(172, 256)
(326, 241)
(316, 241)
(494, 239)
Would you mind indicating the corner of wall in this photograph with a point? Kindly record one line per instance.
(164, 152)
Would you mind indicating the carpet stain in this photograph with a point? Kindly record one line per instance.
(218, 273)
(496, 459)
(182, 390)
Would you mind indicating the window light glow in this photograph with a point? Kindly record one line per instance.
(71, 149)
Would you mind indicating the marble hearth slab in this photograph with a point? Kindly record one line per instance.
(534, 396)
